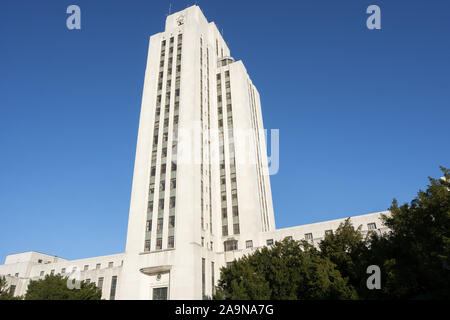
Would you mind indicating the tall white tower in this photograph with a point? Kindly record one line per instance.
(201, 190)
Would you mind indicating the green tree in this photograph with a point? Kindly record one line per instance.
(288, 270)
(54, 287)
(348, 250)
(415, 254)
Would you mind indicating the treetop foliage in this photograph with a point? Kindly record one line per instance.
(413, 256)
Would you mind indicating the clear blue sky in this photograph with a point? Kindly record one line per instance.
(363, 115)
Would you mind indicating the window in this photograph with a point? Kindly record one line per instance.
(63, 270)
(224, 213)
(100, 283)
(161, 204)
(52, 272)
(203, 277)
(212, 278)
(88, 281)
(171, 221)
(40, 261)
(98, 265)
(42, 273)
(308, 236)
(12, 289)
(173, 183)
(150, 206)
(230, 245)
(86, 267)
(148, 227)
(229, 265)
(170, 242)
(235, 211)
(172, 202)
(224, 230)
(203, 241)
(249, 244)
(371, 226)
(110, 264)
(160, 225)
(158, 243)
(328, 232)
(269, 242)
(112, 293)
(147, 246)
(160, 293)
(236, 228)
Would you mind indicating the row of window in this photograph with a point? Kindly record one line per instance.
(232, 244)
(100, 281)
(85, 268)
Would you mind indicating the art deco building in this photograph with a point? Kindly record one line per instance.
(198, 192)
(201, 193)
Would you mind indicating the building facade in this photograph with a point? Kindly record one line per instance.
(201, 192)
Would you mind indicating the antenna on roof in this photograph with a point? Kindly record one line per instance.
(170, 8)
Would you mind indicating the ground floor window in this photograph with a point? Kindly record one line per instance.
(160, 293)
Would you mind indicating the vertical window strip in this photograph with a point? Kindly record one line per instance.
(202, 218)
(173, 168)
(209, 141)
(222, 177)
(232, 164)
(203, 278)
(112, 293)
(163, 185)
(260, 175)
(152, 194)
(213, 291)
